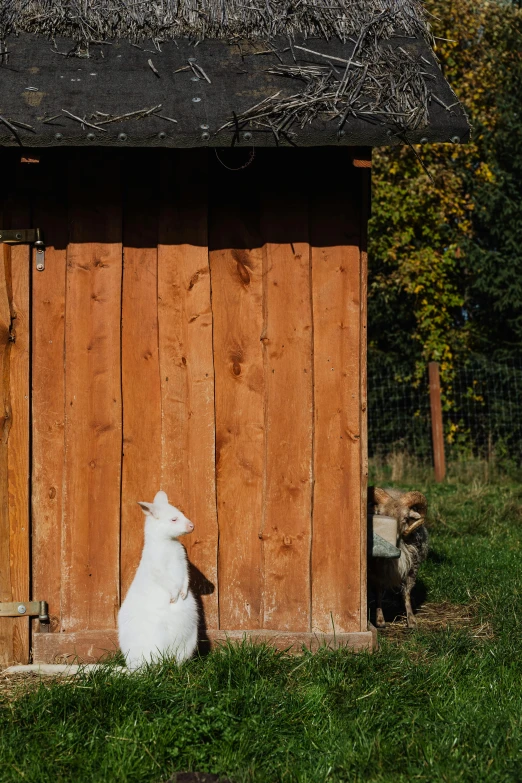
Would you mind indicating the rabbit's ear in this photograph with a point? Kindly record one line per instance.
(147, 508)
(161, 497)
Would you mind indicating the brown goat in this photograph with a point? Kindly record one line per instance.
(409, 509)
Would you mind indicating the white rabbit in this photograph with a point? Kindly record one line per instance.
(159, 616)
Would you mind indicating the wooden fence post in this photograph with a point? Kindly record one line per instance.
(437, 432)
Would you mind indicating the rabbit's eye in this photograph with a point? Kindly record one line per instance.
(174, 519)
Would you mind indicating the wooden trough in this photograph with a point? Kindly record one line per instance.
(199, 326)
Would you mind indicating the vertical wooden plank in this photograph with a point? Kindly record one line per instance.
(336, 290)
(437, 429)
(236, 263)
(48, 389)
(365, 216)
(93, 439)
(141, 387)
(18, 443)
(14, 444)
(14, 415)
(7, 625)
(186, 364)
(287, 341)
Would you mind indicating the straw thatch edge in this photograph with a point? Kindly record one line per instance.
(94, 20)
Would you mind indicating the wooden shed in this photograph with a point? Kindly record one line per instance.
(184, 205)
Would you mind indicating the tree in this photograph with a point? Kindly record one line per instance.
(446, 255)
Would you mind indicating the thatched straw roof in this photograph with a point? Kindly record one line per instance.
(88, 20)
(356, 71)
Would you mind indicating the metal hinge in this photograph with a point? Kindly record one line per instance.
(31, 236)
(25, 609)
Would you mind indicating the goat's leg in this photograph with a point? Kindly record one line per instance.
(379, 616)
(406, 587)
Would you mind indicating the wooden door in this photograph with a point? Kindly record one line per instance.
(199, 327)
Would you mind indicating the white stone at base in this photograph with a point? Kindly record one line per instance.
(60, 668)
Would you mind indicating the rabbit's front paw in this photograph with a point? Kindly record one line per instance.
(175, 598)
(183, 594)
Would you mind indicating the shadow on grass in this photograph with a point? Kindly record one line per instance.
(393, 604)
(437, 557)
(196, 777)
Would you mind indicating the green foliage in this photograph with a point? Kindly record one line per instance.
(445, 260)
(440, 706)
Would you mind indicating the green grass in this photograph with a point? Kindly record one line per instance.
(440, 706)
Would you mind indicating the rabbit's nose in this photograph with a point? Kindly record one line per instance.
(190, 527)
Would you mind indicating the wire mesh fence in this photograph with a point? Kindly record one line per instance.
(482, 413)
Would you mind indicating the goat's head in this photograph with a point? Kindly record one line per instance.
(408, 508)
(415, 507)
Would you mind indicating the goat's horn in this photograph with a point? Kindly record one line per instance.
(412, 527)
(415, 498)
(378, 495)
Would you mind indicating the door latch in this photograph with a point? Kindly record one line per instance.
(25, 609)
(30, 236)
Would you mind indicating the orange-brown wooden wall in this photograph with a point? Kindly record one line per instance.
(201, 330)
